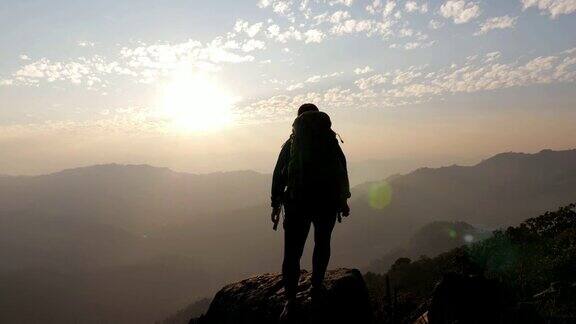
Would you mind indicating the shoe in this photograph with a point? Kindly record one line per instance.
(288, 311)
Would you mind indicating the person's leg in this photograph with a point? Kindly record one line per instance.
(323, 226)
(296, 228)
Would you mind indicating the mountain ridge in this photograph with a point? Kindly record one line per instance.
(217, 226)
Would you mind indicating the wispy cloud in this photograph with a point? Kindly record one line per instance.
(503, 22)
(86, 44)
(347, 3)
(318, 78)
(366, 83)
(88, 71)
(435, 24)
(460, 11)
(146, 63)
(314, 36)
(313, 79)
(298, 23)
(295, 86)
(413, 6)
(364, 70)
(554, 8)
(418, 84)
(252, 45)
(250, 29)
(6, 82)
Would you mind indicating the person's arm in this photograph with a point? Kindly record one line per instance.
(280, 178)
(345, 181)
(345, 186)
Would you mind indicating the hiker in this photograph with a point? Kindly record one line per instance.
(311, 182)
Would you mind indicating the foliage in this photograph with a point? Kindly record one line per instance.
(531, 256)
(526, 259)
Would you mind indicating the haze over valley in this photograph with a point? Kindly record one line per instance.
(153, 240)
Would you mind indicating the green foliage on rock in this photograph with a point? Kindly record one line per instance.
(526, 259)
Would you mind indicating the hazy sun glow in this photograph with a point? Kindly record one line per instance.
(196, 102)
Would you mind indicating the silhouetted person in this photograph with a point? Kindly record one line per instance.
(311, 182)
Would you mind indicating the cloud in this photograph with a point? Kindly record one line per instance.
(388, 8)
(347, 3)
(318, 78)
(435, 24)
(370, 82)
(281, 107)
(554, 8)
(333, 18)
(339, 22)
(252, 45)
(497, 23)
(6, 82)
(244, 26)
(460, 11)
(253, 30)
(489, 74)
(86, 44)
(413, 6)
(264, 3)
(24, 57)
(406, 32)
(88, 71)
(312, 79)
(374, 7)
(346, 27)
(143, 63)
(339, 16)
(364, 70)
(282, 7)
(413, 45)
(304, 7)
(153, 61)
(291, 33)
(492, 56)
(313, 36)
(404, 77)
(418, 84)
(295, 86)
(273, 31)
(367, 26)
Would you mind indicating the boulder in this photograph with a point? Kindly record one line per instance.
(260, 299)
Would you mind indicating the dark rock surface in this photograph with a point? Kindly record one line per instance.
(557, 304)
(476, 300)
(260, 299)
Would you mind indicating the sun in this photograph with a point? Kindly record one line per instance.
(193, 102)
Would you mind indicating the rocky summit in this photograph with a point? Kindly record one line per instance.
(260, 299)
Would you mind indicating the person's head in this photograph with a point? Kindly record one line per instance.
(307, 107)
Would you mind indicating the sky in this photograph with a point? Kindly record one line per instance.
(205, 86)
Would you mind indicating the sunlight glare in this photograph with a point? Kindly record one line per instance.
(196, 102)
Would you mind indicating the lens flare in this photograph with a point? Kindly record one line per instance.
(380, 195)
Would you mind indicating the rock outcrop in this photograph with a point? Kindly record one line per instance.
(260, 299)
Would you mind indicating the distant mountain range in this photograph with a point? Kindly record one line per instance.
(152, 240)
(430, 240)
(497, 192)
(137, 198)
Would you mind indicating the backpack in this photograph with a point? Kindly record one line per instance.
(316, 169)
